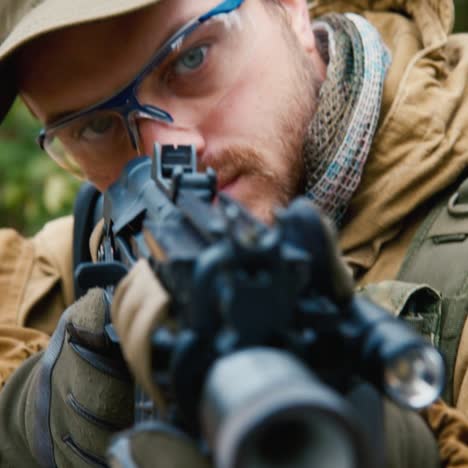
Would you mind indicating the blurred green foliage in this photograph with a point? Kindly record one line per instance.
(33, 189)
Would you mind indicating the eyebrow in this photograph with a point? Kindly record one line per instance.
(57, 116)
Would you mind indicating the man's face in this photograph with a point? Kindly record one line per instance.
(252, 136)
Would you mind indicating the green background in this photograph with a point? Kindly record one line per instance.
(33, 189)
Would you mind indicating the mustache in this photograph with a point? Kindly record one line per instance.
(235, 161)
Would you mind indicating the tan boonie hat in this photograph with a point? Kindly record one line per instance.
(23, 20)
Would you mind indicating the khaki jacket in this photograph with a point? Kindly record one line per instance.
(35, 288)
(421, 147)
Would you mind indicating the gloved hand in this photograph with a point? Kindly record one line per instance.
(60, 408)
(135, 316)
(155, 445)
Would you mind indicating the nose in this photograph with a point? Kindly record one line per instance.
(168, 134)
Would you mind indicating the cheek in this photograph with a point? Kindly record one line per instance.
(103, 174)
(248, 113)
(250, 116)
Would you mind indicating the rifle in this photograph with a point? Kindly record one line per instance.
(271, 342)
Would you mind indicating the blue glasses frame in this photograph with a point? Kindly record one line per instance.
(125, 101)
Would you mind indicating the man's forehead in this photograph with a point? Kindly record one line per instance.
(114, 48)
(166, 17)
(173, 14)
(151, 26)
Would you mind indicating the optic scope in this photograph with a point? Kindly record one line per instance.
(261, 408)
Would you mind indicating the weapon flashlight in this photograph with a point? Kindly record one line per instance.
(397, 359)
(414, 378)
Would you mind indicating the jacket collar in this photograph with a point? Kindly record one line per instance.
(433, 18)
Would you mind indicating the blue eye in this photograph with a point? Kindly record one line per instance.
(191, 60)
(97, 127)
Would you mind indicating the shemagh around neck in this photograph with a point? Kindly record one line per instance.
(340, 134)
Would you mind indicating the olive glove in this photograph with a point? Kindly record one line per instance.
(136, 313)
(60, 408)
(153, 444)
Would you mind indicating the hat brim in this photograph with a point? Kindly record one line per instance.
(9, 91)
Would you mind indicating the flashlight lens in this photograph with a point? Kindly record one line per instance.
(415, 377)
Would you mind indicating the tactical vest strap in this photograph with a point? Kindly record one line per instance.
(438, 256)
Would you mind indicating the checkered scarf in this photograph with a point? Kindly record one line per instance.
(341, 132)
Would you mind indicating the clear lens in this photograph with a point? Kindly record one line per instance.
(200, 69)
(416, 377)
(87, 145)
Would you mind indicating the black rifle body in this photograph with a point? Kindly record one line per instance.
(237, 287)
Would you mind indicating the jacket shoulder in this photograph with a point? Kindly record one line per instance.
(36, 275)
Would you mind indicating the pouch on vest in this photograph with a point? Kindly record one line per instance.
(438, 257)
